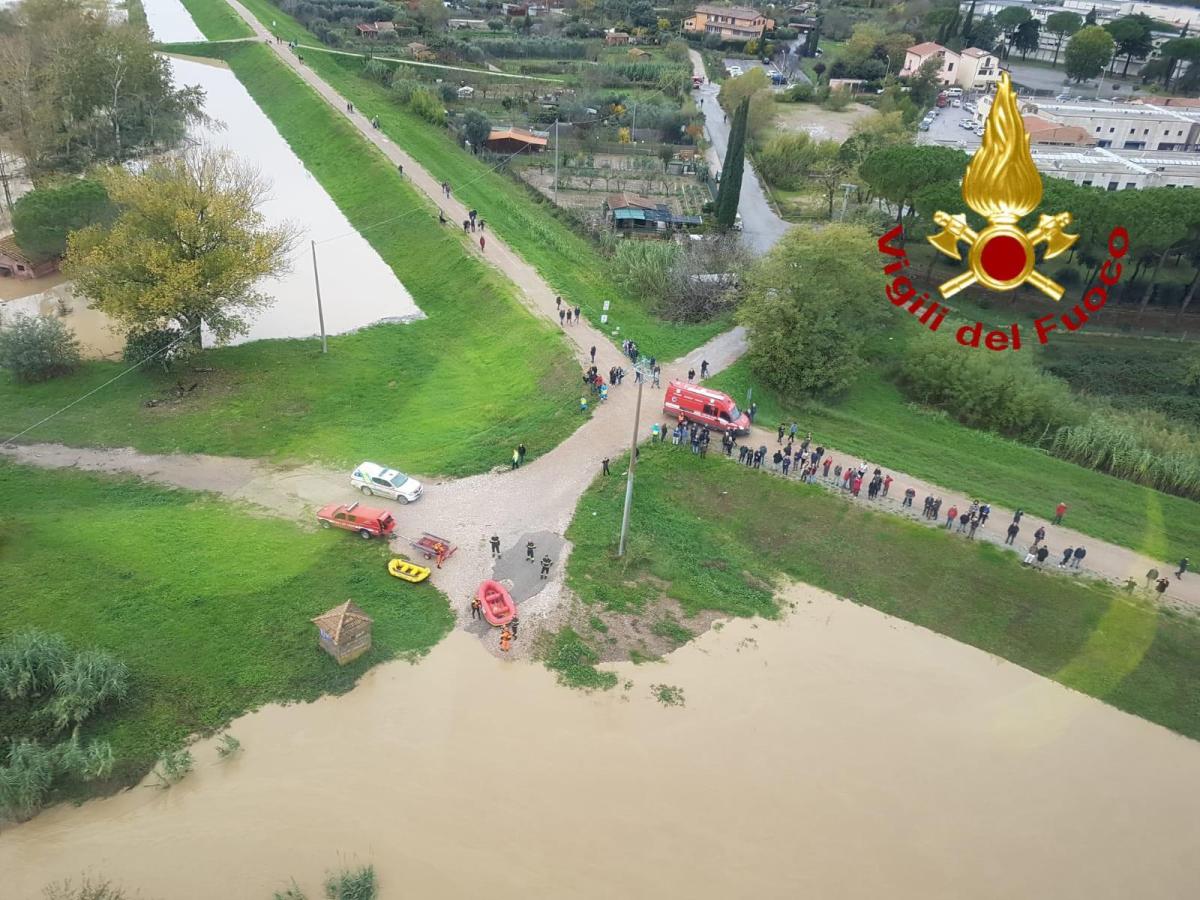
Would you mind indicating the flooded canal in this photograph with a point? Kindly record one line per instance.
(839, 754)
(358, 288)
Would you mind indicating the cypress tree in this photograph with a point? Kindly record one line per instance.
(730, 190)
(967, 22)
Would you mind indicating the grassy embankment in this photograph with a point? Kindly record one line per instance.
(421, 396)
(208, 606)
(875, 422)
(713, 535)
(568, 262)
(217, 21)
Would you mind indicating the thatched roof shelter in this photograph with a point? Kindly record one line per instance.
(344, 632)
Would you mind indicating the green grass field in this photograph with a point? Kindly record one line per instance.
(713, 535)
(421, 396)
(208, 605)
(217, 21)
(875, 422)
(569, 262)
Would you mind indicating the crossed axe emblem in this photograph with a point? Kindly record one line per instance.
(1001, 256)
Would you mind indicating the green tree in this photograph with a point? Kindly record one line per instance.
(784, 161)
(188, 247)
(1133, 36)
(1010, 19)
(1062, 25)
(985, 33)
(1028, 37)
(968, 24)
(1177, 50)
(809, 307)
(44, 217)
(924, 86)
(730, 190)
(898, 172)
(830, 170)
(476, 128)
(1088, 52)
(37, 348)
(78, 89)
(1165, 219)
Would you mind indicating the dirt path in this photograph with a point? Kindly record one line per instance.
(1109, 561)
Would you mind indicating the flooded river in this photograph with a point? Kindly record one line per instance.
(839, 754)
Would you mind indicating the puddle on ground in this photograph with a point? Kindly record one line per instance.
(839, 753)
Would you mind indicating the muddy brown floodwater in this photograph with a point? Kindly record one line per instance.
(837, 754)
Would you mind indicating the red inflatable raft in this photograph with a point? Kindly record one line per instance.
(498, 607)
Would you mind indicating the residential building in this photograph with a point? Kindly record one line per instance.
(730, 23)
(616, 38)
(971, 70)
(375, 29)
(15, 263)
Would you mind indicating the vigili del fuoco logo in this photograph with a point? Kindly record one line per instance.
(1002, 185)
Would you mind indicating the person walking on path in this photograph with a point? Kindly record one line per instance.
(1077, 557)
(604, 466)
(495, 546)
(1012, 533)
(828, 462)
(1042, 553)
(516, 460)
(578, 311)
(703, 368)
(1161, 585)
(1017, 515)
(546, 561)
(951, 515)
(787, 464)
(520, 454)
(529, 548)
(476, 608)
(691, 375)
(583, 405)
(1183, 567)
(779, 439)
(974, 525)
(1039, 535)
(909, 495)
(963, 519)
(1066, 557)
(1151, 577)
(594, 354)
(984, 512)
(482, 243)
(1059, 512)
(505, 638)
(887, 481)
(558, 305)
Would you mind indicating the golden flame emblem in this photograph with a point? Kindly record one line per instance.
(1002, 185)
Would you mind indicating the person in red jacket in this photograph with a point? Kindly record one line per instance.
(1059, 512)
(951, 515)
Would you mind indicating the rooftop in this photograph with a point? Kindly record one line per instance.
(338, 618)
(516, 134)
(924, 49)
(738, 12)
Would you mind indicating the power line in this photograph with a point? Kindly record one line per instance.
(101, 387)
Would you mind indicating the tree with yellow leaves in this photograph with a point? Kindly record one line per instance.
(188, 246)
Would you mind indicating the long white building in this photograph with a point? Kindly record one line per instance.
(1120, 126)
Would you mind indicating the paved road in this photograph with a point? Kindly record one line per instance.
(761, 227)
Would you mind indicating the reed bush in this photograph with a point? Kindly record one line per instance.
(1007, 393)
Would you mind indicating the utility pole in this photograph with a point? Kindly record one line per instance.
(320, 311)
(846, 189)
(556, 161)
(633, 129)
(637, 415)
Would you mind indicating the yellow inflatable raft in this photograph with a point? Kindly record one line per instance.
(408, 571)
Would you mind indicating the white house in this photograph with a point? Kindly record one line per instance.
(972, 70)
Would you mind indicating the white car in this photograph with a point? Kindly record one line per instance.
(735, 71)
(378, 481)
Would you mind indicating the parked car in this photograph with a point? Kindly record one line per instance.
(376, 480)
(956, 102)
(735, 71)
(924, 126)
(366, 520)
(705, 407)
(967, 124)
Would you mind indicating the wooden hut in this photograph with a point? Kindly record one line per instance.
(344, 632)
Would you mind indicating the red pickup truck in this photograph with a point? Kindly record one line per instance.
(366, 520)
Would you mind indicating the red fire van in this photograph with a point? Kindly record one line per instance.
(705, 407)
